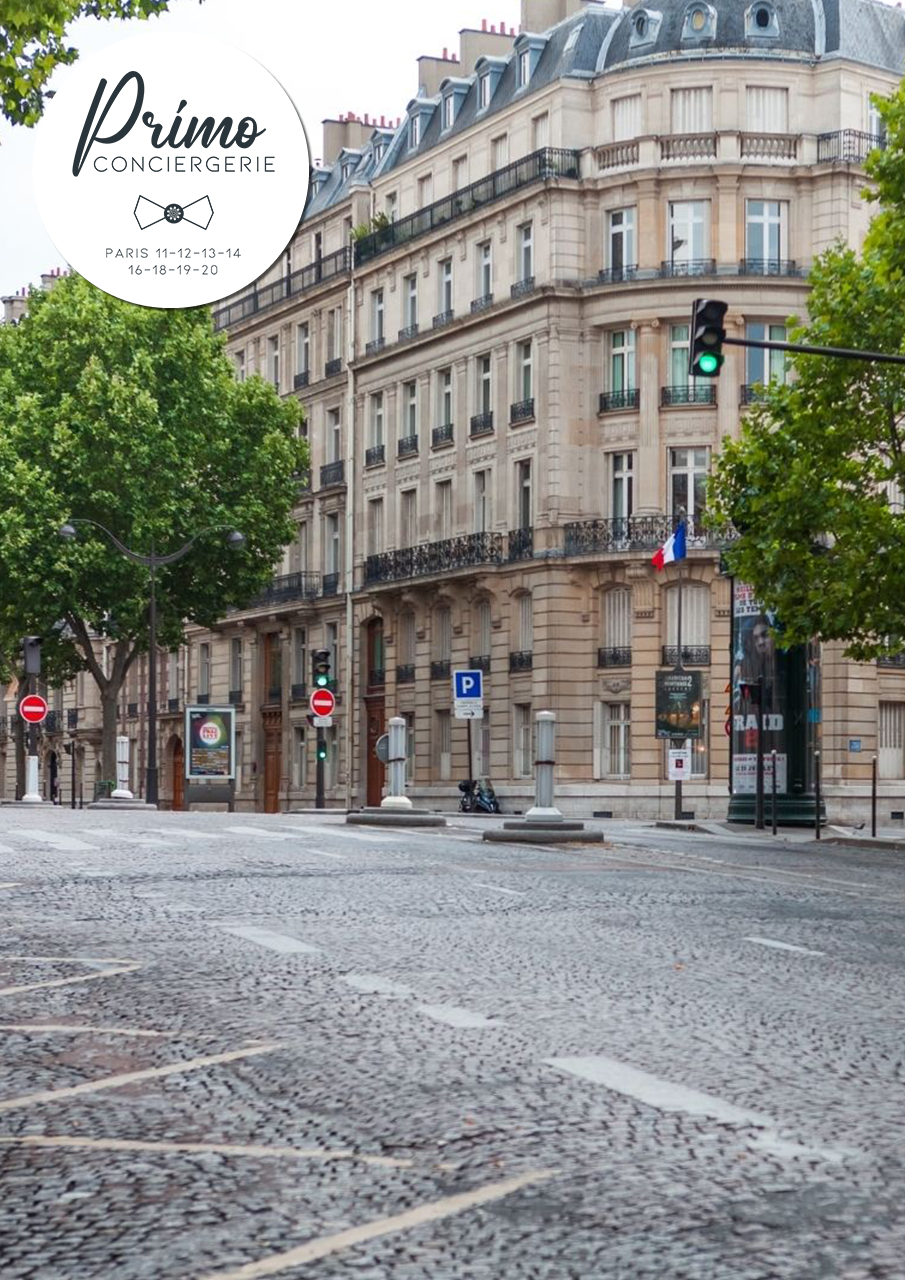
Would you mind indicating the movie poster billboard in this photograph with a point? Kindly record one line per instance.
(679, 704)
(210, 734)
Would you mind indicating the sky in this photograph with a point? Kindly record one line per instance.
(357, 57)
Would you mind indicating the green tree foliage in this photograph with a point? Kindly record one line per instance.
(815, 483)
(131, 416)
(33, 42)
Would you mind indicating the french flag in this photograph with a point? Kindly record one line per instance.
(673, 549)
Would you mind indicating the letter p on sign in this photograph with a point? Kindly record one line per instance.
(468, 685)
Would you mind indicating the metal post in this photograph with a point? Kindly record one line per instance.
(470, 755)
(72, 802)
(395, 797)
(679, 807)
(544, 809)
(319, 771)
(773, 790)
(680, 803)
(32, 783)
(873, 798)
(817, 795)
(759, 798)
(151, 786)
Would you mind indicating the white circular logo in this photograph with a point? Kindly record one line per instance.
(171, 172)
(209, 733)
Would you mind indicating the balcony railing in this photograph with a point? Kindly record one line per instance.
(72, 718)
(330, 584)
(752, 393)
(482, 424)
(618, 154)
(440, 669)
(521, 661)
(442, 435)
(687, 395)
(274, 694)
(632, 533)
(405, 674)
(332, 473)
(410, 331)
(522, 288)
(480, 662)
(202, 699)
(482, 303)
(375, 345)
(688, 146)
(610, 401)
(891, 660)
(692, 655)
(173, 705)
(235, 697)
(53, 721)
(548, 162)
(375, 455)
(688, 267)
(615, 275)
(769, 146)
(521, 543)
(407, 446)
(435, 558)
(301, 379)
(377, 676)
(523, 411)
(298, 692)
(285, 589)
(335, 264)
(333, 367)
(443, 319)
(131, 712)
(304, 482)
(769, 267)
(851, 146)
(614, 657)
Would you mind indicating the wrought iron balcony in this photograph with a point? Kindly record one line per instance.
(521, 661)
(690, 267)
(407, 446)
(481, 304)
(203, 699)
(480, 662)
(687, 394)
(616, 275)
(523, 411)
(375, 455)
(298, 692)
(72, 718)
(53, 722)
(375, 345)
(286, 589)
(632, 533)
(521, 544)
(333, 367)
(752, 393)
(851, 146)
(692, 655)
(541, 165)
(891, 660)
(614, 657)
(613, 400)
(304, 482)
(131, 712)
(330, 584)
(405, 674)
(301, 379)
(410, 331)
(433, 559)
(274, 693)
(769, 267)
(173, 705)
(442, 435)
(235, 697)
(440, 669)
(333, 473)
(271, 295)
(377, 676)
(482, 424)
(523, 287)
(443, 319)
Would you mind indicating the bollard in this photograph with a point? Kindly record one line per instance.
(817, 795)
(32, 792)
(544, 809)
(773, 791)
(873, 798)
(122, 791)
(395, 797)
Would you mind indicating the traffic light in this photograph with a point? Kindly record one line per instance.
(750, 691)
(31, 655)
(705, 357)
(321, 751)
(321, 676)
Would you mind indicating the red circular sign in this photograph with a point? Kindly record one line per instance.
(322, 702)
(33, 708)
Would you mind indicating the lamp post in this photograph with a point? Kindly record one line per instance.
(152, 562)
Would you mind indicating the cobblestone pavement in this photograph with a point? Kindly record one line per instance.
(238, 1046)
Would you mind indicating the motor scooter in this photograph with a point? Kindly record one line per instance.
(478, 797)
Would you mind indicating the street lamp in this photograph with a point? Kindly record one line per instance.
(152, 562)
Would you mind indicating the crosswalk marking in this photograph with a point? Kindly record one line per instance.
(279, 942)
(67, 844)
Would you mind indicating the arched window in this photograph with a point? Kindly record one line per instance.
(616, 628)
(695, 623)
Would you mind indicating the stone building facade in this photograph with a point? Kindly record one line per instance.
(485, 313)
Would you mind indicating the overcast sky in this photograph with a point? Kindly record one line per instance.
(355, 56)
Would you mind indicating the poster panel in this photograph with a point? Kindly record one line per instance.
(679, 703)
(210, 734)
(744, 774)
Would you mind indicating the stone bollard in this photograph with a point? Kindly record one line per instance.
(32, 788)
(395, 797)
(122, 791)
(544, 809)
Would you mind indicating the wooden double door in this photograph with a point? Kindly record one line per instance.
(273, 760)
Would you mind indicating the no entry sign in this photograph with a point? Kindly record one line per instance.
(33, 708)
(322, 702)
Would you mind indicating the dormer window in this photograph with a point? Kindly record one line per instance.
(415, 131)
(347, 170)
(700, 22)
(761, 21)
(644, 28)
(380, 151)
(449, 111)
(524, 68)
(484, 91)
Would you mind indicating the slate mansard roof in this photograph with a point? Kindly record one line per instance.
(601, 40)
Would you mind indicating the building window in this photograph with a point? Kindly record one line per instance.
(443, 748)
(174, 670)
(688, 473)
(622, 360)
(767, 109)
(331, 642)
(331, 764)
(380, 150)
(526, 251)
(302, 349)
(761, 21)
(481, 638)
(410, 300)
(524, 68)
(425, 190)
(766, 233)
(331, 543)
(876, 127)
(299, 758)
(765, 366)
(449, 111)
(695, 616)
(407, 639)
(484, 91)
(525, 623)
(443, 633)
(523, 495)
(626, 118)
(524, 370)
(410, 409)
(375, 526)
(376, 416)
(236, 683)
(445, 384)
(415, 131)
(484, 390)
(334, 333)
(522, 741)
(689, 231)
(616, 620)
(334, 435)
(692, 110)
(499, 148)
(391, 205)
(621, 241)
(485, 269)
(443, 507)
(445, 273)
(303, 546)
(273, 360)
(482, 502)
(204, 670)
(891, 740)
(540, 132)
(377, 316)
(615, 740)
(623, 478)
(678, 356)
(408, 517)
(299, 656)
(240, 366)
(459, 173)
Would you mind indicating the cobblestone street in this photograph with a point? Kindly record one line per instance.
(238, 1047)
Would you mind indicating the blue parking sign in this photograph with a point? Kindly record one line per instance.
(468, 685)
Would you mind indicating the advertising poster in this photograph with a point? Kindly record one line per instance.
(679, 701)
(211, 736)
(744, 774)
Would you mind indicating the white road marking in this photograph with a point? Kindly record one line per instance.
(433, 1211)
(203, 1148)
(67, 844)
(322, 853)
(455, 1016)
(9, 884)
(280, 942)
(182, 906)
(40, 1028)
(124, 966)
(373, 984)
(784, 946)
(111, 833)
(132, 1077)
(346, 833)
(498, 888)
(190, 835)
(261, 832)
(6, 848)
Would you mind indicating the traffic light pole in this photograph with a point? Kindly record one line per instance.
(759, 780)
(319, 770)
(842, 353)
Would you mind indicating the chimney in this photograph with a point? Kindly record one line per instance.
(541, 15)
(485, 43)
(346, 131)
(14, 308)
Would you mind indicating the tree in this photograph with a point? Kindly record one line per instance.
(33, 44)
(815, 484)
(131, 416)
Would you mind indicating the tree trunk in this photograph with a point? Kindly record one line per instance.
(109, 700)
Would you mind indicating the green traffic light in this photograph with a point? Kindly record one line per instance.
(322, 753)
(708, 363)
(322, 681)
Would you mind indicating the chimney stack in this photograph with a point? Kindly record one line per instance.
(14, 307)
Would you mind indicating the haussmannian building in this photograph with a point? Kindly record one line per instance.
(485, 314)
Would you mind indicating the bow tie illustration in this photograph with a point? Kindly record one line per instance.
(147, 213)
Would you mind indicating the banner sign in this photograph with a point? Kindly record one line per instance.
(744, 774)
(679, 703)
(210, 733)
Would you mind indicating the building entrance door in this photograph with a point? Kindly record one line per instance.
(273, 761)
(375, 715)
(178, 775)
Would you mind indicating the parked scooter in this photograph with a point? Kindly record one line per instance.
(478, 797)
